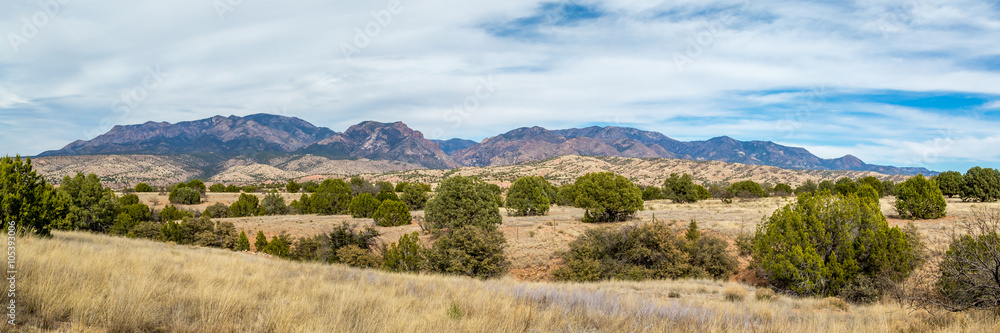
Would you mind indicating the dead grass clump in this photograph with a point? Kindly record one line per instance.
(734, 293)
(832, 303)
(764, 294)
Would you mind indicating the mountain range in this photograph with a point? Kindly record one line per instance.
(227, 137)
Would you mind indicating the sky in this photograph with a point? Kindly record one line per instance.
(904, 83)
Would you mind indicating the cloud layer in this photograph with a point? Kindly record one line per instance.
(912, 83)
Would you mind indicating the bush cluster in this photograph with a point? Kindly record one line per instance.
(642, 252)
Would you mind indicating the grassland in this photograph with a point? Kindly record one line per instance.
(83, 282)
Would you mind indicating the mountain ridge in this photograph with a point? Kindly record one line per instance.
(255, 134)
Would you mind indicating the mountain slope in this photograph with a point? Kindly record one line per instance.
(224, 135)
(528, 144)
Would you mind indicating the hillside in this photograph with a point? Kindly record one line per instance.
(644, 171)
(120, 171)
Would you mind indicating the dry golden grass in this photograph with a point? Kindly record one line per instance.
(86, 282)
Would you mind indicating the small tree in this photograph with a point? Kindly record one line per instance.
(292, 186)
(783, 190)
(607, 197)
(950, 183)
(809, 186)
(682, 189)
(171, 213)
(471, 251)
(279, 246)
(874, 183)
(384, 195)
(185, 196)
(143, 187)
(405, 255)
(392, 213)
(247, 205)
(217, 210)
(526, 197)
(364, 206)
(462, 201)
(414, 195)
(652, 193)
(217, 188)
(261, 242)
(243, 243)
(920, 198)
(747, 189)
(981, 185)
(824, 244)
(273, 204)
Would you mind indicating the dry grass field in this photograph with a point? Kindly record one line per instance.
(79, 282)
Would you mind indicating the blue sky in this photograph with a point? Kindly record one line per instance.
(906, 83)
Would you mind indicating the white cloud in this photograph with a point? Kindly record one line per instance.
(619, 68)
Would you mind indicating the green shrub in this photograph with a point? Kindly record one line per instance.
(527, 197)
(232, 189)
(273, 204)
(607, 197)
(401, 186)
(171, 213)
(471, 251)
(682, 189)
(91, 206)
(364, 206)
(354, 256)
(652, 193)
(809, 186)
(143, 187)
(981, 185)
(649, 251)
(783, 190)
(345, 234)
(243, 243)
(332, 196)
(462, 201)
(217, 188)
(874, 183)
(414, 195)
(384, 195)
(823, 243)
(261, 241)
(920, 198)
(566, 195)
(279, 246)
(246, 205)
(292, 186)
(405, 255)
(747, 189)
(950, 183)
(310, 248)
(185, 196)
(148, 230)
(217, 210)
(846, 186)
(392, 213)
